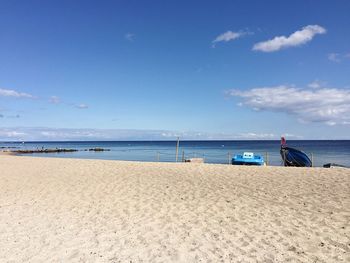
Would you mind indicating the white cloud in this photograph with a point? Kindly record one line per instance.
(55, 100)
(228, 36)
(338, 57)
(130, 37)
(82, 106)
(298, 38)
(316, 84)
(334, 57)
(15, 94)
(325, 105)
(58, 100)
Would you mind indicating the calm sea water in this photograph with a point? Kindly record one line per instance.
(213, 151)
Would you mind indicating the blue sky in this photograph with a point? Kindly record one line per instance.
(161, 69)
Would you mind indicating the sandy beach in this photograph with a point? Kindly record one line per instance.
(70, 210)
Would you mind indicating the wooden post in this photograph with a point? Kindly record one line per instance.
(177, 149)
(267, 158)
(183, 156)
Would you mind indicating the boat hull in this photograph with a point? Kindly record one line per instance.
(240, 160)
(294, 157)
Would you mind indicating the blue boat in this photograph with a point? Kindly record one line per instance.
(293, 157)
(248, 158)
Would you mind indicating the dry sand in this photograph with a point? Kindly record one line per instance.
(69, 210)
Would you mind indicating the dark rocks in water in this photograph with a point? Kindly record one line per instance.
(45, 151)
(56, 150)
(98, 149)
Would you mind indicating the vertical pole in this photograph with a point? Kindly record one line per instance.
(229, 157)
(267, 158)
(177, 149)
(183, 155)
(312, 160)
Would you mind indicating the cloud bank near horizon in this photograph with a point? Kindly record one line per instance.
(62, 134)
(330, 106)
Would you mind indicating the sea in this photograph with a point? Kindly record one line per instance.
(320, 151)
